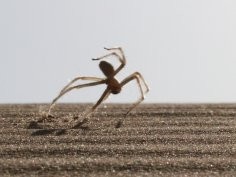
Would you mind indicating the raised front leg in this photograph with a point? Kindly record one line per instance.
(121, 58)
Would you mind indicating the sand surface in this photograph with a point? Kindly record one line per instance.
(155, 140)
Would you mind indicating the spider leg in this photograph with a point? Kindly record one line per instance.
(66, 90)
(120, 57)
(144, 82)
(80, 78)
(116, 48)
(104, 96)
(139, 78)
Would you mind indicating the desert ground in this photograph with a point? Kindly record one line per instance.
(154, 140)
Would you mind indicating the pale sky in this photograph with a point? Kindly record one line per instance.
(185, 49)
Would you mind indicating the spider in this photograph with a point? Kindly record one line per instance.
(113, 85)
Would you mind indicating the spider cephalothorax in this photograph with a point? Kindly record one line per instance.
(113, 86)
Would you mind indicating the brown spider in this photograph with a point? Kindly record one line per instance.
(113, 86)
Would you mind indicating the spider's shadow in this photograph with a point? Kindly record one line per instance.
(40, 131)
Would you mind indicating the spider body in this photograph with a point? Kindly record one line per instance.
(113, 85)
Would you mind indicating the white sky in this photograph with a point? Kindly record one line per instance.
(185, 49)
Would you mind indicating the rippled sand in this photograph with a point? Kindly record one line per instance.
(155, 140)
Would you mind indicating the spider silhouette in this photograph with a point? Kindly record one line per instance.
(113, 85)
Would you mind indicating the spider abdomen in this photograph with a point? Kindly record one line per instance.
(114, 86)
(106, 68)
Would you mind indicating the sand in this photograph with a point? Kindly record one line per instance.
(155, 140)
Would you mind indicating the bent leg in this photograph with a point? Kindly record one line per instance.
(120, 57)
(138, 78)
(80, 78)
(104, 96)
(63, 92)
